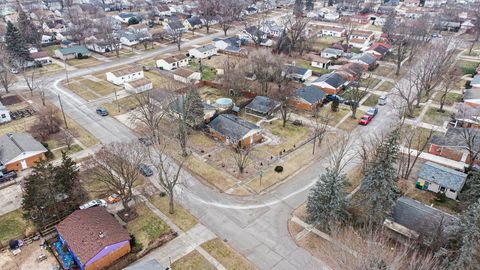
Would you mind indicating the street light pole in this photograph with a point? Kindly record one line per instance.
(63, 112)
(116, 98)
(66, 70)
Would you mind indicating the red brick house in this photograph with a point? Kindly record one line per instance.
(19, 151)
(307, 98)
(235, 130)
(453, 144)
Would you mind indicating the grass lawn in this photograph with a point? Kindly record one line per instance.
(467, 67)
(350, 123)
(73, 149)
(80, 90)
(147, 227)
(208, 73)
(371, 101)
(226, 255)
(162, 82)
(385, 86)
(324, 42)
(209, 173)
(417, 111)
(193, 261)
(20, 125)
(209, 93)
(51, 49)
(85, 137)
(290, 135)
(432, 116)
(201, 141)
(450, 99)
(369, 83)
(421, 137)
(337, 116)
(427, 197)
(181, 217)
(83, 63)
(45, 70)
(13, 225)
(383, 70)
(306, 64)
(126, 104)
(94, 188)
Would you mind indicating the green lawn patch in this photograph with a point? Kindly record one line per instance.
(182, 218)
(14, 226)
(450, 99)
(73, 149)
(371, 101)
(385, 86)
(468, 67)
(370, 82)
(227, 256)
(147, 227)
(193, 261)
(290, 135)
(434, 117)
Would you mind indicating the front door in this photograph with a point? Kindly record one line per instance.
(24, 164)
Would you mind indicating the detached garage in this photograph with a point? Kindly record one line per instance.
(19, 151)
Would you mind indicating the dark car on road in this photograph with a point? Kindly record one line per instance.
(372, 112)
(102, 111)
(7, 176)
(145, 170)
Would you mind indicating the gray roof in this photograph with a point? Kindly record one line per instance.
(333, 79)
(74, 50)
(456, 137)
(231, 126)
(311, 94)
(2, 107)
(262, 104)
(148, 265)
(296, 70)
(472, 93)
(443, 176)
(367, 58)
(13, 145)
(206, 48)
(419, 217)
(333, 51)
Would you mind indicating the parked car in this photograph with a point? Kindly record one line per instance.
(7, 176)
(14, 71)
(94, 203)
(350, 102)
(114, 198)
(145, 141)
(297, 122)
(372, 111)
(382, 100)
(332, 97)
(145, 170)
(102, 111)
(365, 120)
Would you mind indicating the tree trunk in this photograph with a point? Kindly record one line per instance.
(314, 144)
(399, 60)
(208, 28)
(442, 102)
(171, 205)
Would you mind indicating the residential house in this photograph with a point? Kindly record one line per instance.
(235, 130)
(186, 76)
(4, 114)
(176, 106)
(271, 28)
(255, 35)
(319, 62)
(126, 74)
(250, 10)
(262, 106)
(40, 58)
(93, 237)
(47, 39)
(379, 50)
(138, 86)
(331, 53)
(440, 179)
(411, 3)
(366, 60)
(298, 73)
(471, 97)
(78, 51)
(332, 31)
(163, 10)
(359, 43)
(453, 144)
(20, 151)
(125, 17)
(128, 38)
(223, 43)
(331, 16)
(211, 20)
(307, 98)
(203, 52)
(137, 28)
(351, 71)
(331, 83)
(101, 46)
(193, 23)
(173, 62)
(411, 220)
(362, 34)
(174, 26)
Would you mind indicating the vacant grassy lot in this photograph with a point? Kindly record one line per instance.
(434, 117)
(181, 217)
(193, 261)
(90, 89)
(147, 227)
(321, 43)
(215, 177)
(122, 105)
(226, 255)
(14, 226)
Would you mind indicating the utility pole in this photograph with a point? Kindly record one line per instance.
(66, 70)
(116, 98)
(63, 112)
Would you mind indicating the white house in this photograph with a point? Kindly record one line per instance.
(331, 16)
(320, 62)
(129, 39)
(127, 74)
(331, 53)
(362, 34)
(4, 114)
(298, 73)
(41, 58)
(100, 46)
(173, 62)
(124, 17)
(360, 43)
(332, 31)
(203, 52)
(186, 75)
(223, 43)
(138, 86)
(440, 179)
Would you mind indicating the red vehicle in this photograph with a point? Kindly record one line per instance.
(365, 120)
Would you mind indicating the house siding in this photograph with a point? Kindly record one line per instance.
(301, 104)
(108, 259)
(17, 166)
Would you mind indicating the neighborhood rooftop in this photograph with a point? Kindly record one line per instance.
(232, 126)
(442, 175)
(126, 71)
(15, 144)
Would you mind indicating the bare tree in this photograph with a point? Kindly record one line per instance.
(229, 11)
(149, 114)
(367, 149)
(233, 77)
(419, 33)
(349, 25)
(7, 79)
(30, 79)
(241, 156)
(407, 92)
(450, 78)
(107, 33)
(281, 77)
(116, 167)
(320, 129)
(176, 36)
(415, 141)
(356, 93)
(67, 137)
(263, 65)
(167, 172)
(295, 33)
(476, 28)
(47, 123)
(471, 140)
(340, 153)
(209, 10)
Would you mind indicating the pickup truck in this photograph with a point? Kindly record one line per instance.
(7, 176)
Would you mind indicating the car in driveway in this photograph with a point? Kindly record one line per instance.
(94, 203)
(365, 120)
(333, 97)
(372, 111)
(101, 111)
(7, 176)
(145, 170)
(382, 100)
(114, 198)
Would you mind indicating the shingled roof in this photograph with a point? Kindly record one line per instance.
(310, 93)
(455, 137)
(231, 126)
(442, 175)
(15, 144)
(88, 231)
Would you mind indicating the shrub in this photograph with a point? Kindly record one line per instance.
(162, 194)
(441, 197)
(278, 169)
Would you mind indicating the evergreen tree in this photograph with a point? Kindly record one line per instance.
(16, 46)
(326, 202)
(471, 192)
(284, 44)
(309, 5)
(466, 239)
(66, 175)
(298, 8)
(379, 189)
(193, 108)
(27, 28)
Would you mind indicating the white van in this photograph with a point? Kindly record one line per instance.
(382, 100)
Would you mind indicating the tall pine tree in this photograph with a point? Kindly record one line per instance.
(379, 190)
(471, 192)
(16, 46)
(27, 28)
(326, 203)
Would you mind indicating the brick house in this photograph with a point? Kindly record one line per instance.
(453, 145)
(235, 130)
(19, 151)
(331, 83)
(93, 237)
(307, 98)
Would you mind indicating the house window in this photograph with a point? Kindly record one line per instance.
(442, 189)
(452, 190)
(3, 115)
